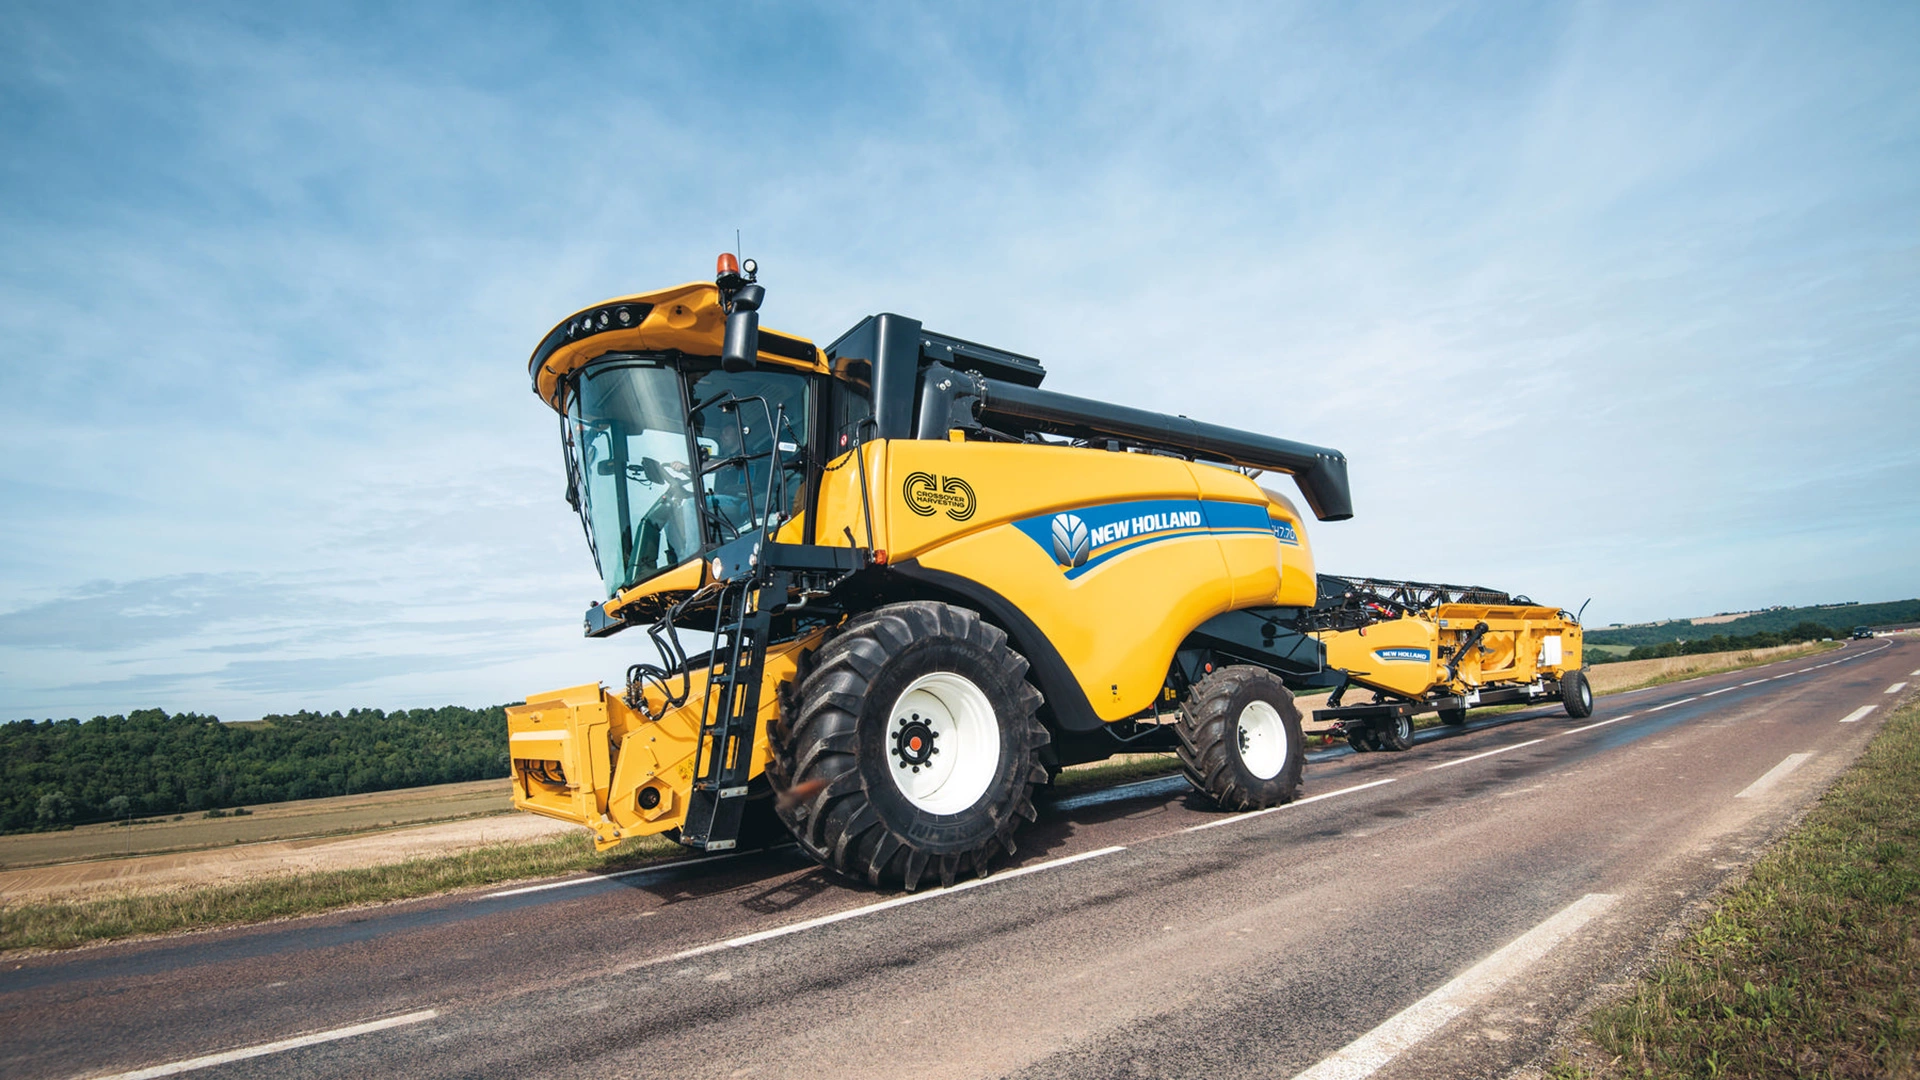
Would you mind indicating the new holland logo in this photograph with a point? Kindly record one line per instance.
(1403, 654)
(927, 495)
(1072, 543)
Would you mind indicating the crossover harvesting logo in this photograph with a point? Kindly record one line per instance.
(927, 495)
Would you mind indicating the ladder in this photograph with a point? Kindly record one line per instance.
(729, 713)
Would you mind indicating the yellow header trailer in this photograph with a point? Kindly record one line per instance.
(1440, 648)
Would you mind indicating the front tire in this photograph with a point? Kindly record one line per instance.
(1240, 740)
(1576, 694)
(918, 729)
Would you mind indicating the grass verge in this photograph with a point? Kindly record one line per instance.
(1811, 967)
(1115, 770)
(65, 925)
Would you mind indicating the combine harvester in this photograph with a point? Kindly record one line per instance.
(931, 585)
(1444, 649)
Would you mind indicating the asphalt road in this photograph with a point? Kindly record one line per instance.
(1474, 892)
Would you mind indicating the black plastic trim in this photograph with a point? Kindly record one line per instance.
(572, 328)
(791, 348)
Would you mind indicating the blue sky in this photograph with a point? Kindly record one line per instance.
(1603, 301)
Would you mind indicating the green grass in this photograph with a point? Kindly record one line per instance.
(1809, 969)
(65, 925)
(1108, 773)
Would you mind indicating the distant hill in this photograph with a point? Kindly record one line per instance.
(1840, 618)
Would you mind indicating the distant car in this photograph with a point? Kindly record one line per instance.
(1861, 633)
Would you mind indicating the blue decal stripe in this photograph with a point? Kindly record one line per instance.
(1117, 528)
(1110, 552)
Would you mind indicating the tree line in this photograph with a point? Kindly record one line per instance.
(1840, 620)
(64, 772)
(1807, 630)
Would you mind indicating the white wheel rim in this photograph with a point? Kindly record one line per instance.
(1263, 740)
(959, 752)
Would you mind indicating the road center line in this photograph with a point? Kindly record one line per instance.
(1671, 704)
(1283, 806)
(1722, 690)
(1367, 1054)
(1603, 723)
(1896, 688)
(1857, 714)
(884, 905)
(1755, 682)
(1490, 753)
(1773, 776)
(264, 1049)
(1916, 671)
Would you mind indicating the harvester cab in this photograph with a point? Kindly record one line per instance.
(928, 584)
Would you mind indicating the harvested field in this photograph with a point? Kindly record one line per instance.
(236, 863)
(1632, 674)
(342, 815)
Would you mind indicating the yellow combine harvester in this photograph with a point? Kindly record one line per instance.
(1440, 648)
(929, 583)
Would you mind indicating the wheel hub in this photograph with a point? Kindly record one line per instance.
(914, 742)
(944, 740)
(1262, 740)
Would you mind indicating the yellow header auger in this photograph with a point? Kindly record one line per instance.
(930, 584)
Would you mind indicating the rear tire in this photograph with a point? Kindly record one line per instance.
(1398, 734)
(1240, 740)
(1360, 743)
(1576, 694)
(1453, 717)
(919, 730)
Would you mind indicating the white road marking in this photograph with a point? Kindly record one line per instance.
(884, 905)
(1858, 714)
(264, 1049)
(1896, 688)
(1283, 806)
(609, 877)
(1603, 723)
(1722, 690)
(1490, 753)
(1755, 682)
(1774, 775)
(1367, 1054)
(1916, 671)
(1671, 704)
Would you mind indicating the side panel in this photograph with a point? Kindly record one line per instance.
(1115, 557)
(1401, 656)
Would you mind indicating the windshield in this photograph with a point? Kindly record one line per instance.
(628, 457)
(628, 451)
